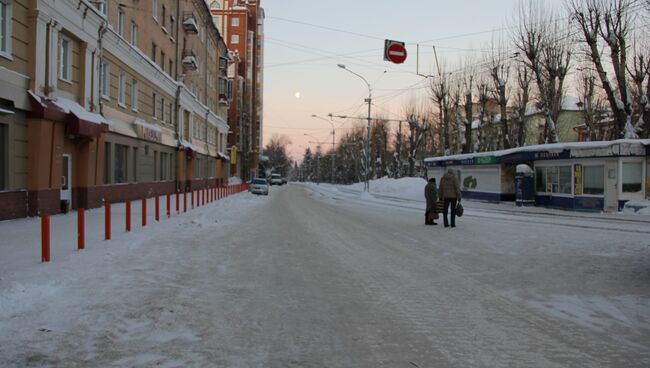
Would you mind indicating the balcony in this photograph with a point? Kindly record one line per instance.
(190, 25)
(189, 60)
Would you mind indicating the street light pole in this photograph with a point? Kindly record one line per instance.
(369, 101)
(333, 142)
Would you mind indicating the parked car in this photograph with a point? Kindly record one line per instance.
(259, 186)
(276, 179)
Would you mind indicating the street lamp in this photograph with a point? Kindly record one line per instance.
(368, 100)
(333, 142)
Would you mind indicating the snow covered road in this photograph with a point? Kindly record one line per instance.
(321, 277)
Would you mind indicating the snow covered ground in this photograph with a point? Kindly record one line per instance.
(329, 276)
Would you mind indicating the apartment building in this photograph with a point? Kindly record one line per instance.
(109, 101)
(241, 22)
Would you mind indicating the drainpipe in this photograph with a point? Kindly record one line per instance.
(100, 49)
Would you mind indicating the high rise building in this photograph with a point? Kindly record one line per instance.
(241, 22)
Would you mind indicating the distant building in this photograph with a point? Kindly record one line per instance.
(242, 24)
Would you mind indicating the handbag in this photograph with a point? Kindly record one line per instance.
(459, 210)
(440, 206)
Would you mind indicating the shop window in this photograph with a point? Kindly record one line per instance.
(164, 166)
(632, 177)
(593, 180)
(135, 165)
(120, 169)
(4, 143)
(553, 179)
(565, 182)
(107, 163)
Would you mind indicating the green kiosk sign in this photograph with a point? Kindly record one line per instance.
(485, 160)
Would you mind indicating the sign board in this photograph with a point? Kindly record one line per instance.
(394, 51)
(577, 175)
(233, 155)
(485, 160)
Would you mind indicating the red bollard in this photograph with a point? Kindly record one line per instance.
(184, 201)
(144, 212)
(107, 221)
(45, 238)
(128, 216)
(169, 201)
(177, 203)
(193, 199)
(157, 214)
(81, 228)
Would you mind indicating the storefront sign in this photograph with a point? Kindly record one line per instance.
(151, 135)
(233, 155)
(485, 160)
(577, 181)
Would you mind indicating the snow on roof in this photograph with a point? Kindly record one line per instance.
(583, 149)
(143, 123)
(186, 144)
(70, 106)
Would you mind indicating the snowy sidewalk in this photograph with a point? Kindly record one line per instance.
(411, 191)
(20, 243)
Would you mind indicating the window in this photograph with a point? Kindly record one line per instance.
(154, 51)
(164, 18)
(120, 169)
(162, 109)
(632, 177)
(120, 22)
(164, 167)
(134, 95)
(171, 25)
(566, 181)
(5, 28)
(65, 58)
(171, 114)
(134, 34)
(554, 179)
(235, 21)
(121, 90)
(155, 165)
(593, 180)
(162, 60)
(4, 153)
(234, 39)
(105, 79)
(154, 111)
(103, 7)
(107, 163)
(171, 67)
(154, 9)
(135, 165)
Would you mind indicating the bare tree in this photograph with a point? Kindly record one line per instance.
(440, 91)
(639, 74)
(500, 73)
(543, 41)
(609, 22)
(418, 121)
(521, 100)
(484, 115)
(586, 89)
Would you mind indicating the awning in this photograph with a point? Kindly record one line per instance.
(78, 121)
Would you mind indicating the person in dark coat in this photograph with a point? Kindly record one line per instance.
(450, 193)
(431, 195)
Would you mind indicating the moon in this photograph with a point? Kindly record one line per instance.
(297, 94)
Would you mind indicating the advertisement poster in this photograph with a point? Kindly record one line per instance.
(577, 175)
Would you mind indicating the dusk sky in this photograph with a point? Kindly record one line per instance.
(305, 40)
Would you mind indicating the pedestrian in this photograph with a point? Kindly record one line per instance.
(431, 195)
(450, 194)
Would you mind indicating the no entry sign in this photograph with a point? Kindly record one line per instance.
(394, 51)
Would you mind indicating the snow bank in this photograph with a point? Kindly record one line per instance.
(637, 207)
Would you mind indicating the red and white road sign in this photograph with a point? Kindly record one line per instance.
(394, 51)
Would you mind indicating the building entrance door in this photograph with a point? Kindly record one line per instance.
(66, 180)
(611, 186)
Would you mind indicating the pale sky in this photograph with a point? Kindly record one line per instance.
(305, 40)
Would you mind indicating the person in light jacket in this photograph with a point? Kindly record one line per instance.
(431, 195)
(450, 193)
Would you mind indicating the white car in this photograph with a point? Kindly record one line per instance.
(276, 179)
(259, 186)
